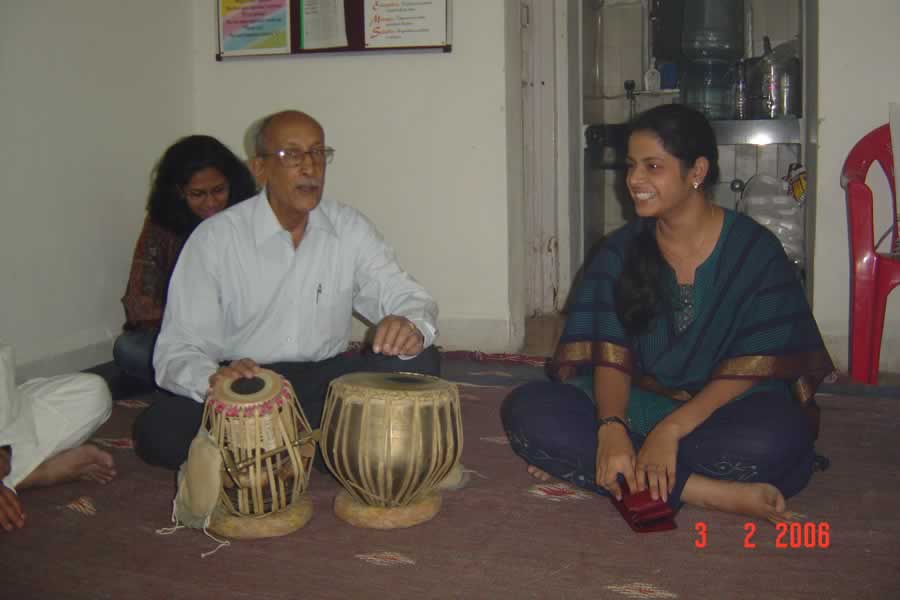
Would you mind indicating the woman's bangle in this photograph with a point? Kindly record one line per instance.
(607, 420)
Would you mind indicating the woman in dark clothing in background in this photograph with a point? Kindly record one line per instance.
(196, 177)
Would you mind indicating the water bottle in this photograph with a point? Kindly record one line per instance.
(713, 30)
(707, 86)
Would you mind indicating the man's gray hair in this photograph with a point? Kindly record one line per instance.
(259, 139)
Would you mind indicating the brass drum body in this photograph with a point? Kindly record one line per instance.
(267, 448)
(390, 438)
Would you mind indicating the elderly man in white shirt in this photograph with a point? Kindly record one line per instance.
(274, 281)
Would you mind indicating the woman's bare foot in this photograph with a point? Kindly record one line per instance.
(539, 474)
(758, 500)
(84, 462)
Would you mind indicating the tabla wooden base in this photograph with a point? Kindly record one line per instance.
(377, 517)
(283, 522)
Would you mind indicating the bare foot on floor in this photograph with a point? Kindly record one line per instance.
(539, 474)
(86, 462)
(758, 500)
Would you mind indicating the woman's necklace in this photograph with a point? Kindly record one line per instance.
(686, 261)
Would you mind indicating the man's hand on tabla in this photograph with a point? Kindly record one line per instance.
(398, 336)
(245, 367)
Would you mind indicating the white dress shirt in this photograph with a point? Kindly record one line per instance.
(241, 290)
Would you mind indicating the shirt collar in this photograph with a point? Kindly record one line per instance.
(266, 225)
(320, 218)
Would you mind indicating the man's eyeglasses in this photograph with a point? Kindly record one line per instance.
(294, 157)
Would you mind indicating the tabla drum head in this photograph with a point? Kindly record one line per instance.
(400, 382)
(248, 390)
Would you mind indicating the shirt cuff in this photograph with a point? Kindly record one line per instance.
(429, 333)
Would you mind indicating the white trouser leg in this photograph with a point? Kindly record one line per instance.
(67, 410)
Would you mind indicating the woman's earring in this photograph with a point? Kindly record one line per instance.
(696, 185)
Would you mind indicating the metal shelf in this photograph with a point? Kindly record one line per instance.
(758, 132)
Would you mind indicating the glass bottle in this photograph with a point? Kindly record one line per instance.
(741, 94)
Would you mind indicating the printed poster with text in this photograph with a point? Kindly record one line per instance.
(322, 24)
(399, 23)
(254, 27)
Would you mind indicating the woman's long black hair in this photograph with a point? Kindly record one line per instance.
(167, 206)
(687, 135)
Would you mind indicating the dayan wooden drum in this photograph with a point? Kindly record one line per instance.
(267, 448)
(389, 439)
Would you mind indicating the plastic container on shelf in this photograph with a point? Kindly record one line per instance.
(713, 30)
(770, 202)
(652, 78)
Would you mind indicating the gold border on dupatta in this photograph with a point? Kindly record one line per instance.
(805, 369)
(598, 354)
(612, 355)
(575, 352)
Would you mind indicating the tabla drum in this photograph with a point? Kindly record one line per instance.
(389, 439)
(267, 448)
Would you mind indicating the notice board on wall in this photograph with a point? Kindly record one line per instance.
(272, 27)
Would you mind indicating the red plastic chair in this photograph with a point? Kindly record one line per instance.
(873, 274)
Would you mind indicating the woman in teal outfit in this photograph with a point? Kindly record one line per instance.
(690, 356)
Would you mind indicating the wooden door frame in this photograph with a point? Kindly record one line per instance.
(552, 153)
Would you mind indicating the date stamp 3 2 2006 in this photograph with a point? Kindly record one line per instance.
(792, 535)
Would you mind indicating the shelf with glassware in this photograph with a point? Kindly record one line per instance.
(759, 132)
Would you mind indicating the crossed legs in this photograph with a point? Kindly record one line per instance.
(746, 458)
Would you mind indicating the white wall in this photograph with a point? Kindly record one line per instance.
(91, 92)
(427, 147)
(421, 141)
(858, 50)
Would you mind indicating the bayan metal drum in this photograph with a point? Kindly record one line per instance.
(267, 448)
(389, 439)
